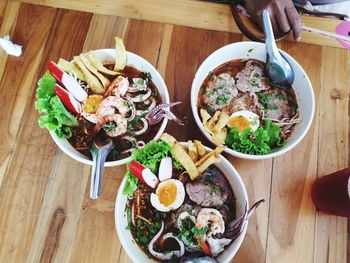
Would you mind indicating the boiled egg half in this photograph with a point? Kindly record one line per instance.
(170, 195)
(244, 119)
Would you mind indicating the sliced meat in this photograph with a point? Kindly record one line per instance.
(214, 177)
(244, 101)
(251, 78)
(220, 91)
(205, 194)
(276, 104)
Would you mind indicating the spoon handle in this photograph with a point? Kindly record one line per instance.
(98, 157)
(95, 187)
(270, 42)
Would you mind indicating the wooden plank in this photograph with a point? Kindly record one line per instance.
(3, 5)
(101, 29)
(191, 13)
(330, 245)
(291, 217)
(16, 204)
(188, 49)
(25, 193)
(61, 204)
(6, 28)
(256, 176)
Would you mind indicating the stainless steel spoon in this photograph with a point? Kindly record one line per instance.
(99, 150)
(277, 67)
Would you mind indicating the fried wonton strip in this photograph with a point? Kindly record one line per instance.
(98, 64)
(211, 160)
(70, 68)
(192, 151)
(181, 155)
(205, 116)
(165, 137)
(120, 54)
(214, 153)
(200, 148)
(222, 121)
(90, 79)
(212, 121)
(219, 136)
(105, 82)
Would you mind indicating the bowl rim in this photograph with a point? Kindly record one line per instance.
(78, 157)
(118, 209)
(279, 151)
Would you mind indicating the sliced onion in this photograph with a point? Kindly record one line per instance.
(132, 109)
(151, 107)
(168, 255)
(140, 97)
(144, 129)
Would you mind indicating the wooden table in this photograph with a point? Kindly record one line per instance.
(45, 212)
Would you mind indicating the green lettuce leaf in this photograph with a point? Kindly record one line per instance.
(259, 142)
(55, 116)
(150, 156)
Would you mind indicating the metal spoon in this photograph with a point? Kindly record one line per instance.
(277, 67)
(99, 150)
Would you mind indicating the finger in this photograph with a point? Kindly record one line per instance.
(294, 21)
(283, 22)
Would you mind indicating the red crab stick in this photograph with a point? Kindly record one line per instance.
(143, 174)
(67, 99)
(67, 82)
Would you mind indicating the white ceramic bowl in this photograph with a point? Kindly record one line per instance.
(246, 50)
(138, 256)
(107, 56)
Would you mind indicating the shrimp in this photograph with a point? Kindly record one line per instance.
(114, 125)
(118, 87)
(112, 105)
(213, 219)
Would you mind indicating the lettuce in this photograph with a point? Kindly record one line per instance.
(149, 156)
(259, 142)
(55, 116)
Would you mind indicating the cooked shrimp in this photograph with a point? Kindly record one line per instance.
(112, 105)
(118, 87)
(114, 125)
(213, 219)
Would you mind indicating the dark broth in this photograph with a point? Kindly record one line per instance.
(83, 135)
(143, 232)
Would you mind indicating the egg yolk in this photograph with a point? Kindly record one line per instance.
(167, 194)
(239, 122)
(92, 103)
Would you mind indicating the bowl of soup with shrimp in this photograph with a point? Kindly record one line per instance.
(235, 104)
(181, 217)
(133, 92)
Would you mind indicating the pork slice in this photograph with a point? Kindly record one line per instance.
(206, 195)
(278, 108)
(251, 78)
(244, 101)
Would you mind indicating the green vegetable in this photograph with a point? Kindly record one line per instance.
(55, 116)
(280, 96)
(187, 228)
(259, 142)
(200, 231)
(131, 184)
(150, 156)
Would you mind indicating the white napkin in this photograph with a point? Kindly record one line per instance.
(9, 47)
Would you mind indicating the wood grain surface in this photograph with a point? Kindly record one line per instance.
(45, 211)
(193, 13)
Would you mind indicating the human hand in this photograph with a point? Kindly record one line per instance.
(284, 16)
